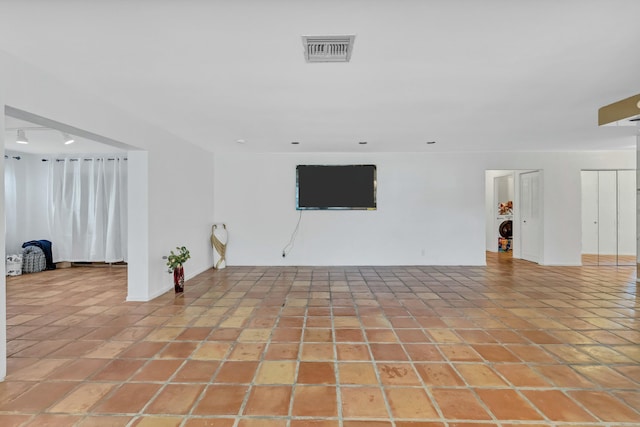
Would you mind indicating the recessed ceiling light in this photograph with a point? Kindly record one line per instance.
(431, 142)
(362, 142)
(295, 143)
(240, 141)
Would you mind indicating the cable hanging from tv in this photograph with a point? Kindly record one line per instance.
(289, 246)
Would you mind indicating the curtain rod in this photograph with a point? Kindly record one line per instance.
(86, 160)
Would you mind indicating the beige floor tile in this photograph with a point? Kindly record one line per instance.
(363, 402)
(82, 398)
(356, 373)
(276, 372)
(411, 403)
(211, 351)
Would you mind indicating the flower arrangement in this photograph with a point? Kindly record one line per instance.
(176, 260)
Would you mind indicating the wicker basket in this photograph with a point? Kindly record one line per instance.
(33, 260)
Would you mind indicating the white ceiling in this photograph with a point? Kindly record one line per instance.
(472, 75)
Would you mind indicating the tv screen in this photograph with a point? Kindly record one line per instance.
(336, 187)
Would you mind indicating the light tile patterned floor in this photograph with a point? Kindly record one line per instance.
(510, 344)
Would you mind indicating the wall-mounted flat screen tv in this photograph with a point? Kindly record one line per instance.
(336, 187)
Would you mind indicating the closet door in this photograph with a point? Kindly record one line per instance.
(626, 217)
(607, 218)
(589, 217)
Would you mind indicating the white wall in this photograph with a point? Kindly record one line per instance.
(255, 197)
(138, 224)
(431, 208)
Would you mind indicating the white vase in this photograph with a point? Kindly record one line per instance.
(219, 238)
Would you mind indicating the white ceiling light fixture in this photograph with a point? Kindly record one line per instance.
(67, 138)
(21, 138)
(328, 48)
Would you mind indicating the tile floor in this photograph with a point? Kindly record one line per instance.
(510, 344)
(595, 259)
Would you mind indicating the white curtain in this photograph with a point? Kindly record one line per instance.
(88, 208)
(12, 245)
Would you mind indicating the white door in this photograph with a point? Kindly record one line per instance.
(589, 217)
(626, 217)
(530, 215)
(607, 218)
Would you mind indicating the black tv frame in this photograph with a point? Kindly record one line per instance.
(367, 208)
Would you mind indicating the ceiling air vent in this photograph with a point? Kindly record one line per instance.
(327, 48)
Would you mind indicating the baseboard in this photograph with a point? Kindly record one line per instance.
(149, 297)
(560, 264)
(194, 274)
(99, 264)
(169, 288)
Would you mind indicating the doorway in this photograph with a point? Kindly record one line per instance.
(55, 192)
(608, 217)
(500, 214)
(513, 206)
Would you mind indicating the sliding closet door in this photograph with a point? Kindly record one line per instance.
(589, 217)
(626, 217)
(608, 217)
